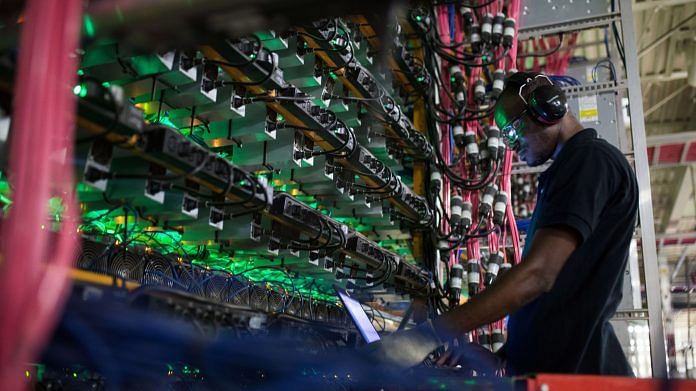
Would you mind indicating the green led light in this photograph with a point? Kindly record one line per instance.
(88, 25)
(333, 75)
(80, 90)
(5, 200)
(419, 18)
(80, 72)
(106, 84)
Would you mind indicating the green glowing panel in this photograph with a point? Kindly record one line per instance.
(88, 26)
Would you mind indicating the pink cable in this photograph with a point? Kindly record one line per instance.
(46, 72)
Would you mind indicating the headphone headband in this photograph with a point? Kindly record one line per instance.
(529, 81)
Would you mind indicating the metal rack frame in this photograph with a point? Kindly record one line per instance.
(647, 227)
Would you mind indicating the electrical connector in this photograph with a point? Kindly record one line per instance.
(493, 267)
(499, 208)
(487, 200)
(473, 276)
(508, 32)
(472, 151)
(486, 28)
(455, 282)
(456, 203)
(467, 19)
(458, 135)
(497, 33)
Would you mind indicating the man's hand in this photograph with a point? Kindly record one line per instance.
(471, 357)
(405, 349)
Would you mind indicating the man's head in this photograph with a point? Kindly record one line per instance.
(530, 113)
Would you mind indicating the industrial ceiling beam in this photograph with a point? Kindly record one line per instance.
(643, 5)
(672, 138)
(661, 77)
(656, 128)
(666, 99)
(680, 262)
(665, 36)
(676, 239)
(679, 186)
(682, 191)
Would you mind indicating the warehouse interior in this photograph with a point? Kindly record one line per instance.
(263, 195)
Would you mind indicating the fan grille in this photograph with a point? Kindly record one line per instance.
(320, 312)
(158, 271)
(275, 301)
(93, 257)
(238, 292)
(217, 287)
(259, 298)
(126, 264)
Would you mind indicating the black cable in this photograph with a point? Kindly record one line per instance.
(346, 62)
(257, 185)
(251, 196)
(464, 4)
(263, 80)
(350, 136)
(270, 98)
(352, 98)
(163, 178)
(463, 61)
(326, 25)
(547, 53)
(115, 108)
(254, 57)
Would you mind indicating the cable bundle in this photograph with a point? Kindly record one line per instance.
(34, 269)
(469, 51)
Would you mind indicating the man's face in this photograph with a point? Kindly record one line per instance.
(534, 143)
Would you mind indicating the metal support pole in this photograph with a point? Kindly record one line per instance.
(650, 266)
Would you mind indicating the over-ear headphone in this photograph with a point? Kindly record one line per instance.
(546, 103)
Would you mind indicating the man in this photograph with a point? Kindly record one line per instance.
(568, 285)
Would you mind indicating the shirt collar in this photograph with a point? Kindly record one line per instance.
(578, 138)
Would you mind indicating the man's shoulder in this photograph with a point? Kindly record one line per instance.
(597, 150)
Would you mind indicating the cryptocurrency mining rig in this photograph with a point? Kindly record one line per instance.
(198, 176)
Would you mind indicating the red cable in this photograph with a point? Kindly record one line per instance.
(34, 272)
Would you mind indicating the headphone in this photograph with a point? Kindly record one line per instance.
(546, 103)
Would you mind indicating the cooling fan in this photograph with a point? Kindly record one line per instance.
(217, 287)
(126, 264)
(259, 298)
(238, 292)
(93, 257)
(158, 271)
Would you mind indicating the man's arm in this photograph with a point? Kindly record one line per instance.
(551, 248)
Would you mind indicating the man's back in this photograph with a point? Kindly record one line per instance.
(590, 188)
